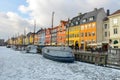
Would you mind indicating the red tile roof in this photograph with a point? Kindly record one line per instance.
(116, 12)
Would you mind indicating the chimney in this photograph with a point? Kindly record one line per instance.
(108, 12)
(95, 9)
(79, 14)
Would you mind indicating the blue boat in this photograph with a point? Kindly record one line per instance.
(62, 54)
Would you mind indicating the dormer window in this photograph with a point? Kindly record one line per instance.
(78, 18)
(91, 18)
(84, 20)
(72, 24)
(76, 22)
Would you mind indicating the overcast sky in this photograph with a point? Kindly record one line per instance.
(17, 15)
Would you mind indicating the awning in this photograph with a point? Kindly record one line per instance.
(99, 43)
(92, 44)
(105, 41)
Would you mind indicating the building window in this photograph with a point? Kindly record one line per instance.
(84, 20)
(72, 24)
(115, 21)
(76, 22)
(91, 18)
(93, 33)
(89, 25)
(105, 25)
(85, 26)
(82, 27)
(89, 34)
(93, 25)
(86, 34)
(78, 18)
(115, 31)
(105, 34)
(82, 34)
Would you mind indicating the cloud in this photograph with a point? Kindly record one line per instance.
(41, 10)
(23, 9)
(12, 24)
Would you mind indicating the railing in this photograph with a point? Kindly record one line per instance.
(114, 57)
(94, 58)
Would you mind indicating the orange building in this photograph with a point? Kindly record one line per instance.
(91, 28)
(88, 34)
(61, 33)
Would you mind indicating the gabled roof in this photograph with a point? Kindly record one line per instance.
(93, 13)
(74, 19)
(29, 33)
(105, 19)
(79, 19)
(116, 12)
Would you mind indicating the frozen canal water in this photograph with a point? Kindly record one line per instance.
(15, 65)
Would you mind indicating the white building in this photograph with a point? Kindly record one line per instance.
(114, 23)
(106, 31)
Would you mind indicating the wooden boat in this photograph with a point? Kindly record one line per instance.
(62, 54)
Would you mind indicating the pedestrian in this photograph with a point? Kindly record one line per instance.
(72, 46)
(91, 50)
(76, 46)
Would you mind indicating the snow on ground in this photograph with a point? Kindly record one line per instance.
(15, 65)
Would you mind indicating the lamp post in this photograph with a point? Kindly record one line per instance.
(68, 31)
(24, 38)
(52, 26)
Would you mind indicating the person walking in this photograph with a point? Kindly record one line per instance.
(76, 46)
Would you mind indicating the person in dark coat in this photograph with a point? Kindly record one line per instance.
(76, 46)
(91, 49)
(72, 46)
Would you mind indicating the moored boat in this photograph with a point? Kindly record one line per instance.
(62, 54)
(31, 49)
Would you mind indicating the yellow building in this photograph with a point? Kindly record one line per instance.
(29, 38)
(74, 33)
(20, 40)
(73, 29)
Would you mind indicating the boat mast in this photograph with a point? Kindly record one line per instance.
(52, 26)
(34, 31)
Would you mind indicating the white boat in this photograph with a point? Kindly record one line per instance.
(62, 54)
(31, 49)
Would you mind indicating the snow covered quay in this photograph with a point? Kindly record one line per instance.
(15, 65)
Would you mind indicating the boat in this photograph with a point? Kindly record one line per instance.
(31, 49)
(62, 54)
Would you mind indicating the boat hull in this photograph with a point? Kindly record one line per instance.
(67, 59)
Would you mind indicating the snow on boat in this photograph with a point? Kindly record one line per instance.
(62, 54)
(31, 49)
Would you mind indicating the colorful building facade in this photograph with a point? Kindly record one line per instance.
(73, 30)
(114, 24)
(48, 36)
(61, 33)
(54, 35)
